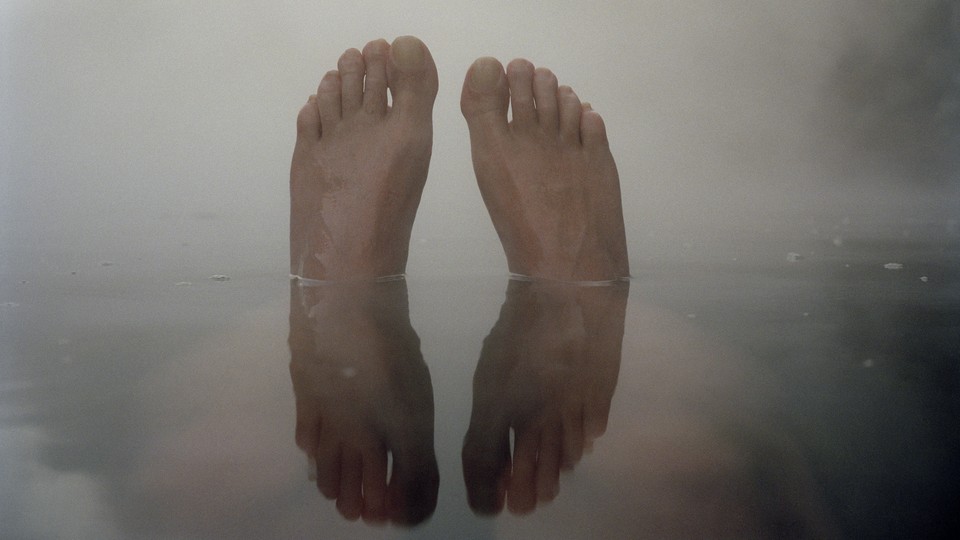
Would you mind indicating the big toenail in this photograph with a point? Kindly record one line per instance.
(407, 53)
(485, 76)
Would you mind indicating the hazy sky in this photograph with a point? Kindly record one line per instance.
(119, 116)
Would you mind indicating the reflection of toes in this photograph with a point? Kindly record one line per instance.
(414, 483)
(328, 469)
(486, 466)
(548, 465)
(572, 423)
(522, 490)
(374, 485)
(350, 500)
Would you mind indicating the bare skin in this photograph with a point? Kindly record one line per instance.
(546, 175)
(359, 164)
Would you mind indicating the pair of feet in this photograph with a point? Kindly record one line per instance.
(360, 162)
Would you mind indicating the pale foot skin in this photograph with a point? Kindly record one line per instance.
(359, 164)
(362, 392)
(546, 175)
(547, 372)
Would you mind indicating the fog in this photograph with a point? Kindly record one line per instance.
(127, 126)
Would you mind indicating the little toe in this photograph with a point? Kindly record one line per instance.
(375, 56)
(351, 81)
(485, 96)
(328, 99)
(593, 132)
(570, 112)
(545, 94)
(522, 111)
(308, 125)
(412, 78)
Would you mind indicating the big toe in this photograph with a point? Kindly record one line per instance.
(412, 78)
(486, 95)
(413, 489)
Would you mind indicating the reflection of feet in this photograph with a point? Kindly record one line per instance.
(359, 163)
(362, 390)
(547, 370)
(547, 176)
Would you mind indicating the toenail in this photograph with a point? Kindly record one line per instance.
(486, 75)
(407, 52)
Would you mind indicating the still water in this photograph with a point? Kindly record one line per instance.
(800, 380)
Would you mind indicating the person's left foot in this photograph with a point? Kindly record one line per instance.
(360, 162)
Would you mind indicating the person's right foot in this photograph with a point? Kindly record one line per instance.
(547, 175)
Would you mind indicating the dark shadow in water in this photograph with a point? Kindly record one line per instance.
(547, 371)
(363, 392)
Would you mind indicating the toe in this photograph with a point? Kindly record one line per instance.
(412, 78)
(485, 96)
(414, 485)
(308, 130)
(593, 133)
(351, 81)
(570, 111)
(328, 469)
(572, 450)
(374, 485)
(545, 94)
(548, 465)
(522, 496)
(486, 466)
(520, 76)
(350, 501)
(328, 99)
(375, 56)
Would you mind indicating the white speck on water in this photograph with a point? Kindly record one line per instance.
(893, 266)
(348, 372)
(220, 277)
(184, 283)
(924, 279)
(868, 363)
(837, 241)
(794, 257)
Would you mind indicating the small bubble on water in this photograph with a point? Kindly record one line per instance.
(924, 279)
(893, 266)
